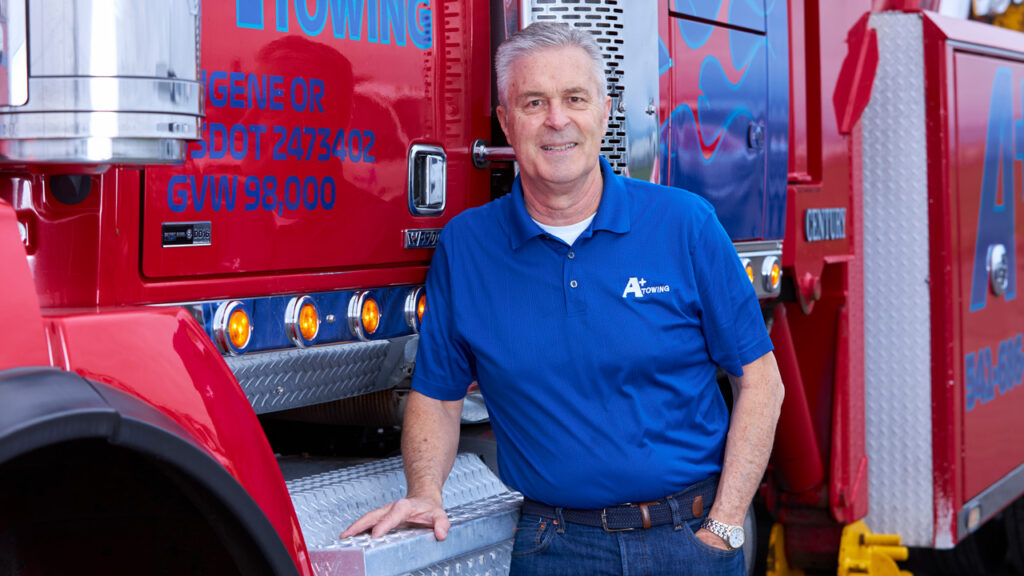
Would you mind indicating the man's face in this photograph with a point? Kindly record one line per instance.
(554, 118)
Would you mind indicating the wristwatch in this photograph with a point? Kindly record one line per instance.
(733, 535)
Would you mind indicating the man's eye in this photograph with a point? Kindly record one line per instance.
(533, 104)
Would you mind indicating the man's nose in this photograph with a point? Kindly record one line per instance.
(557, 117)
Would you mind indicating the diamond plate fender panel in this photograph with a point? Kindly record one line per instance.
(896, 293)
(285, 379)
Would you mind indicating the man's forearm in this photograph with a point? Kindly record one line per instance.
(430, 440)
(757, 402)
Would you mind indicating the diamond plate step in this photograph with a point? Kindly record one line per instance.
(328, 497)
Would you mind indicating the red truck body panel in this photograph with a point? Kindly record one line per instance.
(976, 109)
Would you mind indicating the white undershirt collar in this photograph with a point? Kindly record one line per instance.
(567, 234)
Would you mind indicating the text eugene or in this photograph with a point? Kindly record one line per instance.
(242, 141)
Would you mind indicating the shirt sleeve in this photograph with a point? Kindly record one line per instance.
(732, 322)
(443, 360)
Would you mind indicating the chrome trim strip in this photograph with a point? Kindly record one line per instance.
(157, 95)
(991, 501)
(755, 249)
(987, 50)
(98, 152)
(58, 125)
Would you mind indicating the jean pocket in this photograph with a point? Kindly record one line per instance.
(691, 528)
(533, 536)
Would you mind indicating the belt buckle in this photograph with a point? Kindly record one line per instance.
(604, 523)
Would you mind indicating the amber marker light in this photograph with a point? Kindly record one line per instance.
(232, 327)
(239, 329)
(415, 304)
(749, 267)
(364, 315)
(309, 322)
(302, 321)
(371, 316)
(772, 272)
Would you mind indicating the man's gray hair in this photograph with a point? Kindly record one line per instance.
(542, 36)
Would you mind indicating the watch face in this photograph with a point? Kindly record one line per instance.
(736, 538)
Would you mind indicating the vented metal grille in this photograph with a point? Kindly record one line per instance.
(603, 19)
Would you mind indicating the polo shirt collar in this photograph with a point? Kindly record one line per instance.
(612, 213)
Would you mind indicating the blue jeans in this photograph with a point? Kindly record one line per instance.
(551, 547)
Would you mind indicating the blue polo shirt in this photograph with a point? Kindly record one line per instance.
(596, 360)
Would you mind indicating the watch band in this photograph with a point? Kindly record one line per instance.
(722, 530)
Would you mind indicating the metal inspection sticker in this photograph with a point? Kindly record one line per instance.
(185, 234)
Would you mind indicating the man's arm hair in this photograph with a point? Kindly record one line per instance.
(757, 401)
(430, 440)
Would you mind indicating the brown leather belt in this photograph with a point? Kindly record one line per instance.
(691, 503)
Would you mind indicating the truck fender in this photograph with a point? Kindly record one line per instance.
(42, 407)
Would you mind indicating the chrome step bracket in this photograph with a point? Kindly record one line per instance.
(328, 498)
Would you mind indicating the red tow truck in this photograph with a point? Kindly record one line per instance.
(216, 219)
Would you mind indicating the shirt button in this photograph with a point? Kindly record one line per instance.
(572, 255)
(573, 284)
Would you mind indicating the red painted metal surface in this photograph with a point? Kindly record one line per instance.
(320, 183)
(826, 321)
(796, 457)
(161, 356)
(977, 396)
(989, 452)
(856, 76)
(22, 341)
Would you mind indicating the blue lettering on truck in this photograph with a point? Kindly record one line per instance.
(985, 375)
(996, 218)
(275, 142)
(398, 22)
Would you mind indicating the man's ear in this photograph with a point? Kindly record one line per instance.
(501, 112)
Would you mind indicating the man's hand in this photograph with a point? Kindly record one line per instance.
(416, 511)
(709, 538)
(430, 439)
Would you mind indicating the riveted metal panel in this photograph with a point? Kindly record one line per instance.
(483, 513)
(896, 314)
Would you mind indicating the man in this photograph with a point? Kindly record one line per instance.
(593, 311)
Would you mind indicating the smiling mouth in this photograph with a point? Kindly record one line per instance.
(561, 148)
